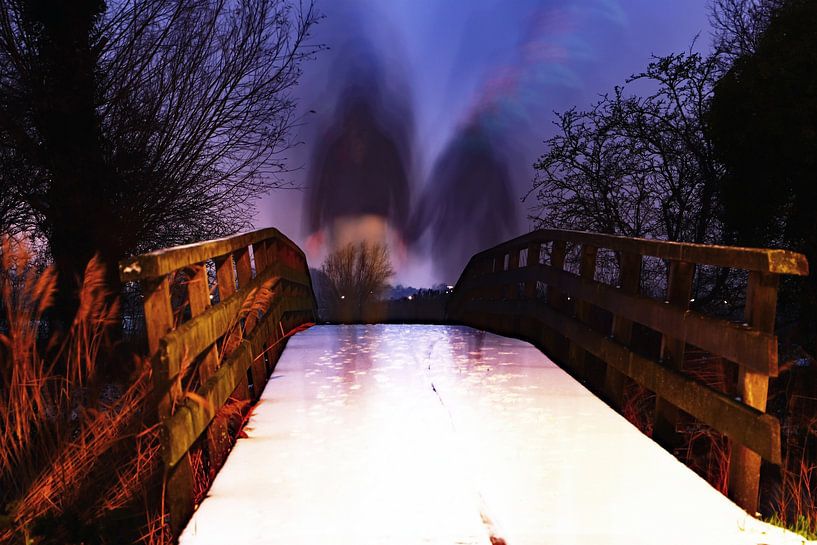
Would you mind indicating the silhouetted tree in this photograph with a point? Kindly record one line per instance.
(737, 26)
(636, 166)
(358, 274)
(764, 123)
(134, 125)
(640, 166)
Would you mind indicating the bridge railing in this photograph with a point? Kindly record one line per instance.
(216, 313)
(521, 288)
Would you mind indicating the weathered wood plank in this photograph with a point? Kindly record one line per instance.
(178, 489)
(752, 348)
(165, 261)
(198, 294)
(753, 259)
(744, 424)
(194, 336)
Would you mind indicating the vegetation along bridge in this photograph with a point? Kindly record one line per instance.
(463, 432)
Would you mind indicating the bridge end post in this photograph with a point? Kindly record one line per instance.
(177, 488)
(744, 464)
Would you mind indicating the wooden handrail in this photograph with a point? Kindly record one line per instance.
(495, 292)
(226, 349)
(168, 260)
(733, 257)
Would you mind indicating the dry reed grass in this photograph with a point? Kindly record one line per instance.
(74, 452)
(78, 464)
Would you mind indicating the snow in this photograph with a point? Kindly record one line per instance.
(412, 434)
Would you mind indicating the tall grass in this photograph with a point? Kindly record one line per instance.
(75, 456)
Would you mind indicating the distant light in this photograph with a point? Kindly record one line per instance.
(726, 302)
(450, 287)
(211, 296)
(343, 297)
(410, 297)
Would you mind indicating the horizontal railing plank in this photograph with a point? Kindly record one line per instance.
(752, 259)
(166, 261)
(753, 349)
(754, 429)
(190, 419)
(193, 337)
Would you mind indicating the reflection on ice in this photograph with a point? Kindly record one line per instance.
(398, 434)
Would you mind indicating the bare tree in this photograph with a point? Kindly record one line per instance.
(639, 166)
(358, 274)
(145, 123)
(636, 166)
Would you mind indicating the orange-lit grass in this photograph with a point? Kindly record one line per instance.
(71, 455)
(793, 499)
(74, 453)
(704, 449)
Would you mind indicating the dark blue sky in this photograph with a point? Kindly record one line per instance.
(444, 61)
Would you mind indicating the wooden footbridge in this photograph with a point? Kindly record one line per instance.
(468, 432)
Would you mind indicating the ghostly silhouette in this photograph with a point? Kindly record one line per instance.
(359, 187)
(467, 205)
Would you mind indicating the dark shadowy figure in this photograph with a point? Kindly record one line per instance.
(467, 204)
(359, 184)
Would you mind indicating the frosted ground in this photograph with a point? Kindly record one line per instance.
(411, 434)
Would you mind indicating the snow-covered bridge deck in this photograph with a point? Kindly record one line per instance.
(408, 434)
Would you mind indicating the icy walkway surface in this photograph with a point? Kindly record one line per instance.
(411, 434)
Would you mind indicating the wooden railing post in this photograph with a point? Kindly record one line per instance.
(243, 268)
(587, 270)
(555, 299)
(744, 464)
(178, 480)
(528, 327)
(198, 294)
(533, 260)
(557, 261)
(225, 277)
(513, 264)
(259, 252)
(629, 280)
(679, 289)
